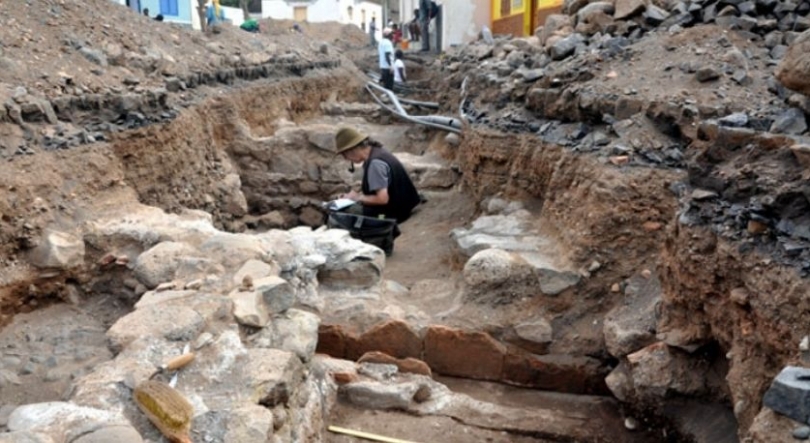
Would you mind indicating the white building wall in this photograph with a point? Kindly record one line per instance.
(463, 20)
(195, 16)
(277, 9)
(326, 11)
(322, 10)
(356, 18)
(234, 15)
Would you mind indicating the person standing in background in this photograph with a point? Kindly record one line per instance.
(386, 53)
(396, 35)
(413, 26)
(214, 14)
(372, 29)
(399, 68)
(424, 22)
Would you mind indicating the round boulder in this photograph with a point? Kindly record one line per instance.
(496, 276)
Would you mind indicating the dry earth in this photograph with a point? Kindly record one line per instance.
(660, 166)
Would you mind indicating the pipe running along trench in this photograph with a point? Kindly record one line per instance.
(448, 124)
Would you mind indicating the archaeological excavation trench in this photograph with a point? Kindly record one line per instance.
(588, 266)
(500, 317)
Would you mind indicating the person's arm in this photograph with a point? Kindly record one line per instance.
(380, 197)
(388, 59)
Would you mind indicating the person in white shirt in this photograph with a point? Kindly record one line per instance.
(399, 68)
(386, 53)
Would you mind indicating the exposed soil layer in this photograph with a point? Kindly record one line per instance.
(628, 180)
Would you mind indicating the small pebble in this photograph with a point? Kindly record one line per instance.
(51, 362)
(631, 423)
(53, 376)
(28, 368)
(11, 361)
(801, 433)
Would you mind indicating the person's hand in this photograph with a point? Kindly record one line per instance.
(352, 195)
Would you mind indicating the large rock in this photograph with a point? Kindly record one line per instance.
(584, 14)
(255, 270)
(159, 264)
(107, 434)
(294, 331)
(249, 308)
(554, 24)
(495, 267)
(794, 69)
(789, 393)
(516, 233)
(26, 437)
(249, 423)
(103, 388)
(158, 297)
(321, 136)
(535, 335)
(659, 370)
(565, 46)
(276, 293)
(231, 197)
(792, 121)
(498, 277)
(771, 427)
(220, 360)
(340, 261)
(144, 226)
(380, 395)
(59, 251)
(175, 323)
(233, 250)
(273, 376)
(620, 382)
(429, 171)
(59, 419)
(628, 8)
(631, 325)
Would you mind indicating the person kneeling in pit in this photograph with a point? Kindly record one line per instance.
(387, 190)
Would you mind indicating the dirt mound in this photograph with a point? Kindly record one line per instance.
(58, 47)
(344, 36)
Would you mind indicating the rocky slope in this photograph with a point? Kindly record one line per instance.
(710, 91)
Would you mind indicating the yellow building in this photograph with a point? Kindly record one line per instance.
(521, 17)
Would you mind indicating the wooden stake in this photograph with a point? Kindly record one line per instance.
(366, 435)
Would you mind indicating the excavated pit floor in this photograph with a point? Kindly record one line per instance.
(43, 351)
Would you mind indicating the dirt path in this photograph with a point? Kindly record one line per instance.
(424, 250)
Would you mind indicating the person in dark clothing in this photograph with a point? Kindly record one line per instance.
(413, 26)
(387, 190)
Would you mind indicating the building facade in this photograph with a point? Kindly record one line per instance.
(183, 12)
(521, 17)
(354, 12)
(463, 20)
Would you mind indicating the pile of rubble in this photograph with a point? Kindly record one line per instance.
(666, 84)
(97, 74)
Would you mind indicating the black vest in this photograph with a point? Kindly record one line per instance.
(402, 195)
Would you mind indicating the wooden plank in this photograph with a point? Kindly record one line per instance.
(366, 435)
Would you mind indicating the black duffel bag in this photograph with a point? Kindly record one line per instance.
(379, 232)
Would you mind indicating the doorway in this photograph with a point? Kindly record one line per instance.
(300, 13)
